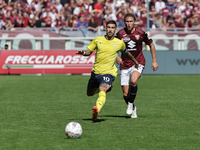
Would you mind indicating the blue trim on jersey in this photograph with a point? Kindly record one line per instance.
(125, 50)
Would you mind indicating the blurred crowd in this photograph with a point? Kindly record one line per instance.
(93, 14)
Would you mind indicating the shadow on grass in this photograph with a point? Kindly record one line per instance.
(98, 120)
(67, 138)
(117, 116)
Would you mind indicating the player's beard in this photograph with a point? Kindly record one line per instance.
(129, 29)
(110, 35)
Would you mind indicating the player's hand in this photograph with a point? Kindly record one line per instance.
(154, 65)
(136, 65)
(119, 61)
(80, 52)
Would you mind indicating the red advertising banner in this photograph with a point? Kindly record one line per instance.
(44, 62)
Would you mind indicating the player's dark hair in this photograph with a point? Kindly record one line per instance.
(129, 15)
(111, 22)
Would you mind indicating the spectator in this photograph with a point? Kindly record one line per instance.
(118, 3)
(25, 19)
(32, 22)
(2, 24)
(171, 5)
(134, 7)
(8, 7)
(5, 47)
(19, 8)
(187, 11)
(60, 23)
(143, 18)
(121, 23)
(48, 20)
(108, 13)
(69, 22)
(151, 3)
(33, 13)
(77, 10)
(197, 10)
(111, 4)
(92, 26)
(8, 24)
(193, 3)
(179, 23)
(37, 6)
(196, 23)
(180, 7)
(47, 11)
(38, 21)
(48, 4)
(72, 5)
(170, 23)
(166, 11)
(58, 5)
(63, 2)
(84, 13)
(158, 22)
(53, 16)
(120, 13)
(75, 22)
(96, 14)
(82, 26)
(98, 6)
(19, 21)
(159, 5)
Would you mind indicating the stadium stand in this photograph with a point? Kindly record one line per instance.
(90, 16)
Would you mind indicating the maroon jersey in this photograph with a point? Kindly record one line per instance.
(133, 43)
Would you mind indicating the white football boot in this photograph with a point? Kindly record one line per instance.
(134, 113)
(129, 110)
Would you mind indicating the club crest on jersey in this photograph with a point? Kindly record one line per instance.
(125, 39)
(114, 44)
(137, 37)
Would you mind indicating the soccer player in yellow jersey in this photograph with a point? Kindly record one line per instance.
(104, 70)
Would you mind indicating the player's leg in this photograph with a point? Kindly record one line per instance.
(103, 87)
(93, 85)
(105, 84)
(125, 79)
(92, 91)
(136, 74)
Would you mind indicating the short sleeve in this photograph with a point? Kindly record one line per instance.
(92, 46)
(147, 40)
(123, 47)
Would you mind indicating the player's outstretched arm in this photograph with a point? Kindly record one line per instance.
(153, 53)
(84, 53)
(129, 56)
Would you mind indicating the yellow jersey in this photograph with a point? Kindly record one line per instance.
(106, 54)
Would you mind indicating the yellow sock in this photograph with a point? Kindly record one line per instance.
(101, 100)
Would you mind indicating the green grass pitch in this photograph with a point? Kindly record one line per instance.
(34, 111)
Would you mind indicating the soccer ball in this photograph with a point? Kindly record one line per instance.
(73, 130)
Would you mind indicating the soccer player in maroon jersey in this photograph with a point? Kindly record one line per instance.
(133, 38)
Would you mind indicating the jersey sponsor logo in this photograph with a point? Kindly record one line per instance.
(137, 37)
(124, 35)
(125, 39)
(131, 46)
